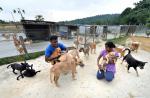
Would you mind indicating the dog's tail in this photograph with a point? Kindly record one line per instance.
(38, 71)
(8, 66)
(129, 51)
(51, 75)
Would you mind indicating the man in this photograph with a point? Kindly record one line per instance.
(53, 47)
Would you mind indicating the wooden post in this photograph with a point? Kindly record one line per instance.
(77, 38)
(85, 37)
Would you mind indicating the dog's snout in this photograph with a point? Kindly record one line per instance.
(82, 65)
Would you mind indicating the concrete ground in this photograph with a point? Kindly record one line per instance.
(124, 85)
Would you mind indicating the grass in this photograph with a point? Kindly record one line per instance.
(120, 40)
(8, 60)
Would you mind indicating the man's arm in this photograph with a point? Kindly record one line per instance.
(63, 47)
(49, 59)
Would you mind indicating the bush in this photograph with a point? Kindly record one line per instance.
(120, 40)
(12, 59)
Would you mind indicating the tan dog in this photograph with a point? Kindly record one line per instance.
(78, 41)
(68, 63)
(134, 46)
(18, 45)
(74, 53)
(56, 53)
(92, 47)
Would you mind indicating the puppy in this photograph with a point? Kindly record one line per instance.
(132, 62)
(109, 57)
(56, 54)
(68, 64)
(29, 73)
(19, 67)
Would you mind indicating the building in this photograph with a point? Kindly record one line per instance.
(42, 30)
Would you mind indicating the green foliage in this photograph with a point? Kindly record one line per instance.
(39, 18)
(137, 15)
(148, 23)
(12, 59)
(120, 40)
(98, 20)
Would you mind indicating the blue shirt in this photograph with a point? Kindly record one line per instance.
(50, 49)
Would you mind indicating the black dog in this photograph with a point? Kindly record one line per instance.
(132, 62)
(28, 73)
(20, 67)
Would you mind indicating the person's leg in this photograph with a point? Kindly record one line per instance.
(100, 74)
(109, 76)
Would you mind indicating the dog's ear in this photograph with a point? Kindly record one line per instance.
(145, 62)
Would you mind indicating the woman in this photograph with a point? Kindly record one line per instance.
(110, 67)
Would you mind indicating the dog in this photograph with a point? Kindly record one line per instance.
(18, 45)
(68, 64)
(20, 67)
(56, 54)
(85, 50)
(74, 52)
(28, 73)
(135, 46)
(109, 57)
(92, 47)
(132, 62)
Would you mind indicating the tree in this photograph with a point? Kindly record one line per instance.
(39, 18)
(20, 11)
(137, 15)
(126, 11)
(1, 8)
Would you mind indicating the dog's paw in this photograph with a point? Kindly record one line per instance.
(15, 73)
(137, 75)
(57, 85)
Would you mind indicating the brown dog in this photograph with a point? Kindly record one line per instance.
(134, 46)
(18, 45)
(56, 53)
(68, 63)
(92, 47)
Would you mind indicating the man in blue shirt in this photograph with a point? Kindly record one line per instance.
(52, 47)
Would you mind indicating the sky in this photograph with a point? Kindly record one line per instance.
(62, 10)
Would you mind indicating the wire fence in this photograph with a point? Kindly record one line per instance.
(91, 32)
